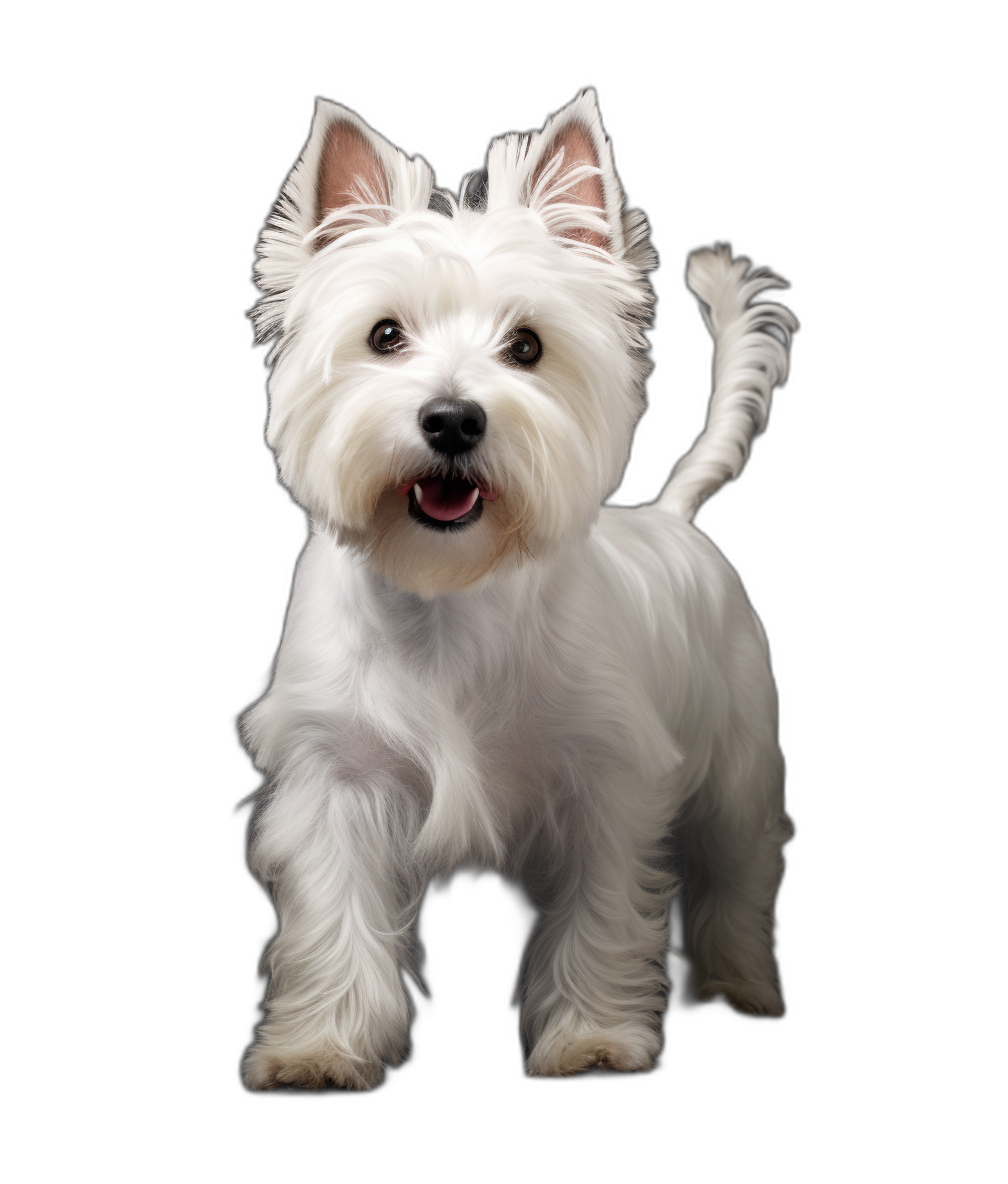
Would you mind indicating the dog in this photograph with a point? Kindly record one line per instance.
(482, 663)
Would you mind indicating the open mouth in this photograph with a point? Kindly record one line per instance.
(446, 502)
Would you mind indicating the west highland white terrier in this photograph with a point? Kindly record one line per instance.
(483, 664)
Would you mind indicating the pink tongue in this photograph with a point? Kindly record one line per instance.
(446, 498)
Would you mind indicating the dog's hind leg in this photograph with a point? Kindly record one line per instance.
(728, 853)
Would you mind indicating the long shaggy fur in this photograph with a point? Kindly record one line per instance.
(576, 695)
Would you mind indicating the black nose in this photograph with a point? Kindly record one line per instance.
(451, 425)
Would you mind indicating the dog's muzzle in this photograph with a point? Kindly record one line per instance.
(452, 497)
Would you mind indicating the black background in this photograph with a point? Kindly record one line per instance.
(789, 173)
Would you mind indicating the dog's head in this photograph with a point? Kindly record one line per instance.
(455, 382)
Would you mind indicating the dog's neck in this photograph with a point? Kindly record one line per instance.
(520, 582)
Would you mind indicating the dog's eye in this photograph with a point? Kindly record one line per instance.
(524, 347)
(387, 336)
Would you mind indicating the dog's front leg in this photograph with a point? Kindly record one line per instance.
(593, 984)
(333, 857)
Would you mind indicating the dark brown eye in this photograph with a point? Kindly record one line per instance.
(387, 336)
(524, 347)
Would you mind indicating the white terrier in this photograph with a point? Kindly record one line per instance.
(482, 664)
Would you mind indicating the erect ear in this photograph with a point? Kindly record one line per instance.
(350, 171)
(565, 172)
(346, 162)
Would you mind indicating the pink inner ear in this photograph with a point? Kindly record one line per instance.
(350, 171)
(578, 149)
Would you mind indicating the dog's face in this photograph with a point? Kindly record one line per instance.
(455, 383)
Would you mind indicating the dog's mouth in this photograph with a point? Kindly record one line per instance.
(446, 501)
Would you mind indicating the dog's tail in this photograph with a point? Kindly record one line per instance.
(751, 343)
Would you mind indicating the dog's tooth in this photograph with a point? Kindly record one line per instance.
(419, 492)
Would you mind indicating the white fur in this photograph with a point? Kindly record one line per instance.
(578, 696)
(751, 343)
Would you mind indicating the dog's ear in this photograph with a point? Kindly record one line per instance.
(565, 173)
(344, 164)
(350, 171)
(347, 163)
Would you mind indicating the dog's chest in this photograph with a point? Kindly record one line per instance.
(536, 694)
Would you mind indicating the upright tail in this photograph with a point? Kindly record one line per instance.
(751, 343)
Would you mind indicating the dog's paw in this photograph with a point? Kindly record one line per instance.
(751, 998)
(564, 1050)
(265, 1067)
